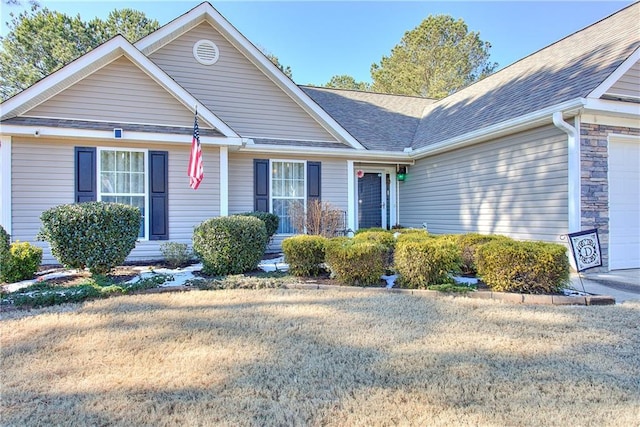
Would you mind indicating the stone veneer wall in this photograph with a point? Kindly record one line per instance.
(594, 166)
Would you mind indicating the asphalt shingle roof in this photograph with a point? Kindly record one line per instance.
(377, 121)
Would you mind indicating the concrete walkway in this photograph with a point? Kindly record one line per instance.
(623, 285)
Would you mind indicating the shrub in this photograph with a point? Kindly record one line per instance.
(425, 262)
(469, 244)
(175, 254)
(21, 262)
(5, 243)
(304, 254)
(271, 221)
(527, 267)
(230, 245)
(355, 263)
(412, 235)
(94, 235)
(318, 219)
(382, 237)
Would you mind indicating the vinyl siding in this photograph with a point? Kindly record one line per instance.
(515, 186)
(627, 86)
(235, 90)
(119, 92)
(40, 183)
(334, 183)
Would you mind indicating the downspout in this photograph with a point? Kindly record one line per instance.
(573, 145)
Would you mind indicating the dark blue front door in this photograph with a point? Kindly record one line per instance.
(370, 200)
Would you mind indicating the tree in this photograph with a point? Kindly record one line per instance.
(345, 81)
(274, 59)
(435, 59)
(41, 41)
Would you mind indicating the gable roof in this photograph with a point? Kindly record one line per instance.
(567, 70)
(379, 121)
(95, 60)
(205, 12)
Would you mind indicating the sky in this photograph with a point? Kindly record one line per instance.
(320, 39)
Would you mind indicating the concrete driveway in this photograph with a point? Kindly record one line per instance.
(623, 285)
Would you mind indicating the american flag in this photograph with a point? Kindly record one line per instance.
(196, 171)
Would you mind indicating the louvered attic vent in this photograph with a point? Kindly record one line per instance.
(206, 52)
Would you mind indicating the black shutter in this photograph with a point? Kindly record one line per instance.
(85, 174)
(314, 181)
(261, 185)
(158, 195)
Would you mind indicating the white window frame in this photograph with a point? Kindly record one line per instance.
(99, 192)
(271, 198)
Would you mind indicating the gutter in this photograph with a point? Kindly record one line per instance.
(573, 160)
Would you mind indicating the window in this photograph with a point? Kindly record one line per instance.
(287, 188)
(122, 179)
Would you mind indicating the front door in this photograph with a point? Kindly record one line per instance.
(371, 204)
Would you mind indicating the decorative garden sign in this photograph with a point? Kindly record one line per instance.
(586, 249)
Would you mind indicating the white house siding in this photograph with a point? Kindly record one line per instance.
(515, 186)
(235, 90)
(41, 182)
(119, 92)
(627, 86)
(334, 183)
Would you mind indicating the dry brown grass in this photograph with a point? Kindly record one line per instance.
(343, 357)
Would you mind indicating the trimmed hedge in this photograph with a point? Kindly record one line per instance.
(94, 235)
(230, 244)
(21, 262)
(526, 267)
(425, 261)
(355, 263)
(468, 245)
(304, 254)
(413, 235)
(271, 221)
(382, 237)
(5, 243)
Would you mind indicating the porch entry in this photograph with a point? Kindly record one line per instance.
(374, 199)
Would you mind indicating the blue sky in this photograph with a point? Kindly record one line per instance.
(320, 39)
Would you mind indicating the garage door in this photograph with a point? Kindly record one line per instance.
(624, 203)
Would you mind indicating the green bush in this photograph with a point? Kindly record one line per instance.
(412, 235)
(271, 221)
(5, 243)
(21, 263)
(369, 230)
(527, 267)
(230, 245)
(426, 262)
(94, 235)
(469, 244)
(382, 237)
(355, 263)
(175, 254)
(304, 254)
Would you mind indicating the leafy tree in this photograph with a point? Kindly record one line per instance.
(345, 81)
(41, 41)
(435, 59)
(286, 70)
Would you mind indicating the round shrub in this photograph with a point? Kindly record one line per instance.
(94, 235)
(271, 221)
(426, 262)
(412, 235)
(526, 267)
(21, 263)
(355, 263)
(304, 254)
(230, 245)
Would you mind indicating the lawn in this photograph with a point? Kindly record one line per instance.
(310, 357)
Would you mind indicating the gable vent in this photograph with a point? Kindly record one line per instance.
(206, 52)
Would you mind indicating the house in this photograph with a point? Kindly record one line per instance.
(546, 146)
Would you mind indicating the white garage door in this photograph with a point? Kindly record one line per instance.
(624, 203)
